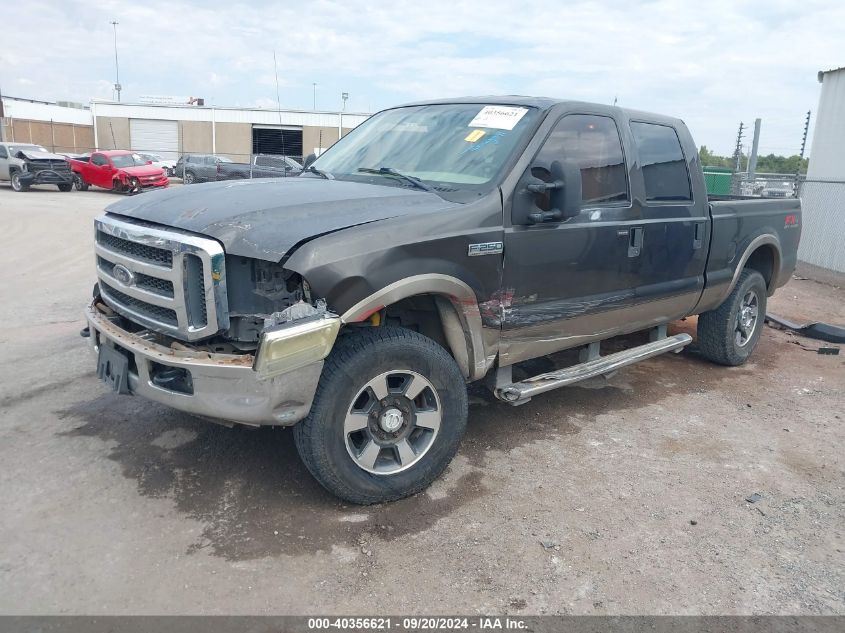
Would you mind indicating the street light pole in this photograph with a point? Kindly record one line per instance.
(117, 85)
(344, 96)
(315, 96)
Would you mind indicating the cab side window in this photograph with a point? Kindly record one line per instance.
(664, 166)
(99, 160)
(591, 145)
(3, 152)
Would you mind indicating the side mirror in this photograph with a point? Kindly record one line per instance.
(149, 162)
(309, 159)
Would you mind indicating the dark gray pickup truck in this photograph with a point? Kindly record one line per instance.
(438, 244)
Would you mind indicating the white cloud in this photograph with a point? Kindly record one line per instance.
(712, 65)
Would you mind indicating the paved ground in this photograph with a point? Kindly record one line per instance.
(627, 497)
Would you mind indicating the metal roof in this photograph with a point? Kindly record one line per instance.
(822, 73)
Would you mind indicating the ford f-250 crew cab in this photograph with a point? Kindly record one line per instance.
(437, 244)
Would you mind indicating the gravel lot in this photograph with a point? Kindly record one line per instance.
(625, 496)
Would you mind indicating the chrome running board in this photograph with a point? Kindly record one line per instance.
(519, 392)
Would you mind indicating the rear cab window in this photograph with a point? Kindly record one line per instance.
(664, 166)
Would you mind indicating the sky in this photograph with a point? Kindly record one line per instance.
(712, 64)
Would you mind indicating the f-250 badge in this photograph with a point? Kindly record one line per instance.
(485, 248)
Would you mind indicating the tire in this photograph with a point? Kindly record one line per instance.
(729, 334)
(80, 184)
(189, 178)
(65, 187)
(17, 184)
(352, 465)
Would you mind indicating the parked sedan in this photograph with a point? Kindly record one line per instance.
(168, 165)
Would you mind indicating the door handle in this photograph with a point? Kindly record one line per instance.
(698, 235)
(635, 241)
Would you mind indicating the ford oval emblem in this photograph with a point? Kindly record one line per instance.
(123, 274)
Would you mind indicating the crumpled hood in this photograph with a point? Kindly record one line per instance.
(266, 218)
(32, 155)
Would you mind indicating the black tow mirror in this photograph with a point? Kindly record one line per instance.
(309, 159)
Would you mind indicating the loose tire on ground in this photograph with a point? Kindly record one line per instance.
(729, 334)
(371, 378)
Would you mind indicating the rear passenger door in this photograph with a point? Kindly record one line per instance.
(670, 267)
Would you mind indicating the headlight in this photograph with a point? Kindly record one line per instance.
(295, 344)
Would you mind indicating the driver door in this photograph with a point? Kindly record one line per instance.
(568, 270)
(101, 171)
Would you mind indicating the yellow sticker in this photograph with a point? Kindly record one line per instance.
(473, 136)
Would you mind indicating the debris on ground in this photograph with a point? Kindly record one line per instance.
(754, 498)
(820, 331)
(829, 351)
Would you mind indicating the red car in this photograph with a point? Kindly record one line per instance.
(119, 170)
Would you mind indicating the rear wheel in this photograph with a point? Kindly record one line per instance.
(728, 334)
(17, 183)
(387, 418)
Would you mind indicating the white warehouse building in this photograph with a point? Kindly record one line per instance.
(823, 193)
(172, 130)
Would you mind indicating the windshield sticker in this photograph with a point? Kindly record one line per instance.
(475, 135)
(499, 117)
(491, 140)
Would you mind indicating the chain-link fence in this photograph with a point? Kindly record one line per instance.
(194, 168)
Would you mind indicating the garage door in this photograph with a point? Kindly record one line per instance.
(157, 137)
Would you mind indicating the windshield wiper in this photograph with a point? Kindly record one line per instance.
(389, 171)
(319, 172)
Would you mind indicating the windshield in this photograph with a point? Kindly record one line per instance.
(26, 148)
(127, 160)
(451, 147)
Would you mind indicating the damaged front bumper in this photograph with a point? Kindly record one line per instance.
(274, 387)
(46, 177)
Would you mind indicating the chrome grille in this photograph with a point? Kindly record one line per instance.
(135, 250)
(163, 279)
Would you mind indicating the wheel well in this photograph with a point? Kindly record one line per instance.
(435, 317)
(763, 261)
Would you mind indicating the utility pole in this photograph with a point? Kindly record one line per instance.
(806, 130)
(117, 85)
(801, 155)
(736, 177)
(315, 96)
(738, 149)
(755, 144)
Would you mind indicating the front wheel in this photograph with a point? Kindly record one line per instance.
(189, 178)
(388, 416)
(65, 187)
(17, 183)
(728, 334)
(80, 184)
